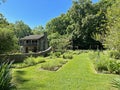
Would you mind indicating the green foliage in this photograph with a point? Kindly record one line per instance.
(53, 65)
(78, 52)
(8, 40)
(7, 36)
(38, 30)
(104, 63)
(40, 59)
(30, 61)
(100, 61)
(92, 55)
(59, 43)
(81, 23)
(5, 76)
(3, 21)
(114, 67)
(112, 40)
(21, 29)
(58, 25)
(115, 54)
(57, 54)
(116, 83)
(77, 74)
(101, 66)
(67, 56)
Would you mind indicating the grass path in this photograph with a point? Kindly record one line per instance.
(77, 74)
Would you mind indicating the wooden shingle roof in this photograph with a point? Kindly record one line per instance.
(32, 37)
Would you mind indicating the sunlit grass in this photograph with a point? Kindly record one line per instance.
(77, 74)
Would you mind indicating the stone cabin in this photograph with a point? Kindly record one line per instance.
(34, 43)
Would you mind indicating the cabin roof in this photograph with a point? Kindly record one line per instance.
(32, 37)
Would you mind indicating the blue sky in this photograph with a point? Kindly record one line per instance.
(34, 12)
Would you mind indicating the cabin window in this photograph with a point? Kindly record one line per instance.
(34, 41)
(26, 41)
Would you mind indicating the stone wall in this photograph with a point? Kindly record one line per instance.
(20, 57)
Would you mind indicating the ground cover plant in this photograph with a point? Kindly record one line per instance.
(116, 83)
(6, 76)
(53, 65)
(56, 60)
(30, 61)
(77, 74)
(105, 62)
(53, 62)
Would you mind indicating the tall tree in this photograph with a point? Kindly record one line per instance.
(3, 21)
(38, 30)
(58, 24)
(8, 40)
(83, 22)
(58, 42)
(113, 35)
(83, 17)
(21, 29)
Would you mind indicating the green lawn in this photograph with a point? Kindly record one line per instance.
(77, 74)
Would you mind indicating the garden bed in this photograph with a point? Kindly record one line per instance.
(53, 65)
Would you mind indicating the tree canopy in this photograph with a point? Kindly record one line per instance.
(7, 38)
(38, 30)
(22, 29)
(85, 25)
(83, 20)
(112, 39)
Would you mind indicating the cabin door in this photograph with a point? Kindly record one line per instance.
(35, 49)
(26, 50)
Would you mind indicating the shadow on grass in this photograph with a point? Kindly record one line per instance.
(20, 80)
(19, 77)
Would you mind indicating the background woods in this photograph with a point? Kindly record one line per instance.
(86, 25)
